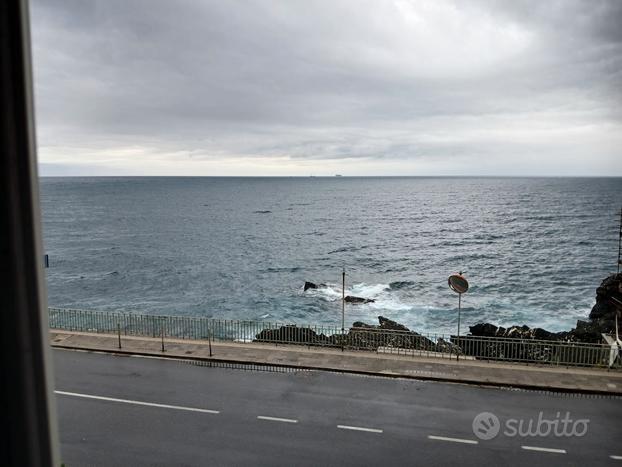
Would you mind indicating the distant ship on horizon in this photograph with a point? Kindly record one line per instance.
(338, 175)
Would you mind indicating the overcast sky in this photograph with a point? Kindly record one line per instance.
(127, 87)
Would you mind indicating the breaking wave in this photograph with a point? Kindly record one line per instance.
(385, 298)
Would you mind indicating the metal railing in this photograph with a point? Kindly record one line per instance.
(361, 338)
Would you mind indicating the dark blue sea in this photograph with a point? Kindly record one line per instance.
(533, 249)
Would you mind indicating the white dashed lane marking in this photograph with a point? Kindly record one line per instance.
(536, 448)
(359, 428)
(453, 440)
(277, 419)
(129, 401)
(291, 420)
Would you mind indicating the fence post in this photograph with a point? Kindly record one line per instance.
(209, 341)
(450, 346)
(119, 333)
(162, 334)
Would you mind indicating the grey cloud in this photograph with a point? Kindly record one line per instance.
(323, 80)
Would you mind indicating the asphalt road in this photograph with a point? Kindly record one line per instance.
(130, 411)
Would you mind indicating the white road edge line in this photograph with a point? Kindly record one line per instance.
(277, 419)
(536, 448)
(128, 401)
(618, 458)
(453, 440)
(359, 428)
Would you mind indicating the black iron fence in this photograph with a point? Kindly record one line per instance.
(361, 338)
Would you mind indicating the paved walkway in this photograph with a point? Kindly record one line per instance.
(595, 381)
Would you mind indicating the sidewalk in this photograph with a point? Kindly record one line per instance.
(594, 381)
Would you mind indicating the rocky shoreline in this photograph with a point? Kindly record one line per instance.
(600, 321)
(359, 336)
(367, 336)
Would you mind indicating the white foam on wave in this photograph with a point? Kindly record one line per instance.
(384, 298)
(417, 315)
(390, 303)
(440, 316)
(369, 291)
(329, 293)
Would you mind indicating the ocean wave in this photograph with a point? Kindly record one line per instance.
(397, 285)
(291, 269)
(385, 299)
(347, 249)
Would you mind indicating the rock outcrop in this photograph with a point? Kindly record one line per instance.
(515, 332)
(292, 334)
(368, 336)
(359, 336)
(608, 303)
(313, 285)
(388, 333)
(348, 298)
(601, 320)
(310, 285)
(358, 300)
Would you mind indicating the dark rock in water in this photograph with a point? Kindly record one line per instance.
(312, 285)
(358, 300)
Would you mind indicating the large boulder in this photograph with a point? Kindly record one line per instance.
(387, 333)
(386, 323)
(484, 330)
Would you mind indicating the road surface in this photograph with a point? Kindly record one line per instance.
(122, 411)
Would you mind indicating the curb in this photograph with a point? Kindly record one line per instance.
(440, 379)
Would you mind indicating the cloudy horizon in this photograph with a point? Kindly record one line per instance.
(319, 88)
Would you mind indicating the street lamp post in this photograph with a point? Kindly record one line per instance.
(343, 306)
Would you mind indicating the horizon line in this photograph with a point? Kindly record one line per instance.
(329, 176)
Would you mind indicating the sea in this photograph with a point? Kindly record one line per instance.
(533, 249)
